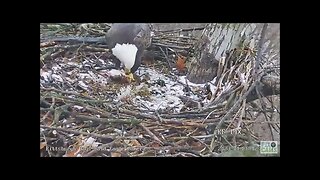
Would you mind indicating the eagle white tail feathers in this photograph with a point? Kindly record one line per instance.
(126, 53)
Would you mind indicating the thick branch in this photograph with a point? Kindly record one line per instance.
(76, 39)
(79, 132)
(107, 120)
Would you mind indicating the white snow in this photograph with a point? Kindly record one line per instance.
(78, 107)
(84, 76)
(159, 97)
(83, 85)
(74, 64)
(47, 75)
(57, 78)
(91, 142)
(115, 72)
(124, 92)
(166, 96)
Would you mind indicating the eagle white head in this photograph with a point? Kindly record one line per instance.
(126, 53)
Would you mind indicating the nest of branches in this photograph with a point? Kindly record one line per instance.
(85, 112)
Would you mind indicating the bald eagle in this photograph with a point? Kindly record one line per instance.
(128, 42)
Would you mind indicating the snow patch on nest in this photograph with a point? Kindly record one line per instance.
(115, 72)
(124, 93)
(166, 96)
(45, 75)
(62, 73)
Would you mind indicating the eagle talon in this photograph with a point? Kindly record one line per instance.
(130, 77)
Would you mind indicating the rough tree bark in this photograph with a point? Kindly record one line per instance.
(218, 39)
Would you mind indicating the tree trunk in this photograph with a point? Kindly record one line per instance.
(216, 43)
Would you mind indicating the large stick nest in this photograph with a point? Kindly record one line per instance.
(86, 111)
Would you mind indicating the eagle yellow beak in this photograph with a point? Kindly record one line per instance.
(129, 75)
